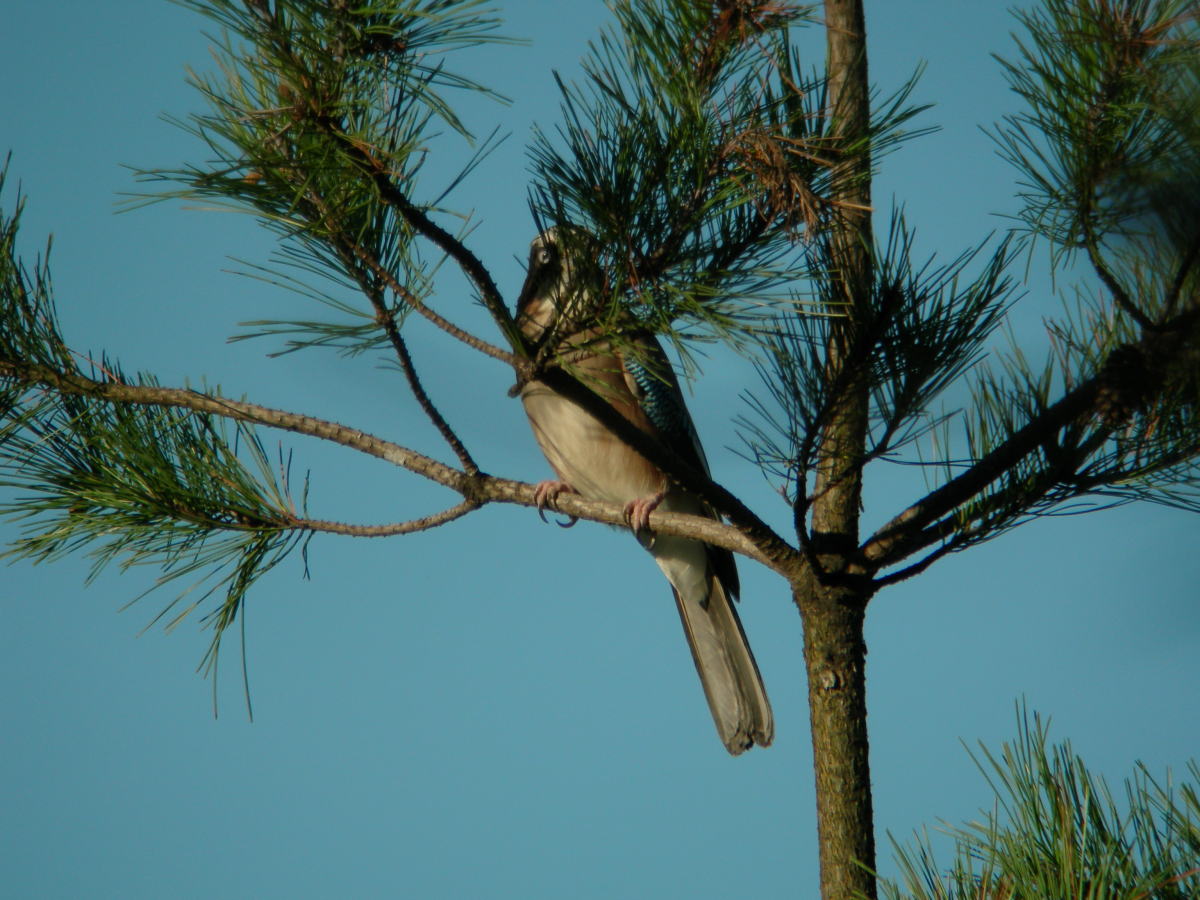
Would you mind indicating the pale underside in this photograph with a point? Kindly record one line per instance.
(598, 465)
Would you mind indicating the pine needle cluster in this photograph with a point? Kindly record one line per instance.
(1057, 831)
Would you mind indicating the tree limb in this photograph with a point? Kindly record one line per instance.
(467, 261)
(353, 256)
(477, 489)
(1119, 294)
(239, 410)
(394, 528)
(903, 534)
(438, 321)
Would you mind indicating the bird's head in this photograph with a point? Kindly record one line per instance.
(561, 287)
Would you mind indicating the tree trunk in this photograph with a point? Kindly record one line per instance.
(831, 595)
(835, 660)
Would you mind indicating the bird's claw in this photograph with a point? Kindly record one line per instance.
(545, 494)
(637, 512)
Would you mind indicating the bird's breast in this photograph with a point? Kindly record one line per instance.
(584, 453)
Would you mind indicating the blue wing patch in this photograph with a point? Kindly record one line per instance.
(661, 400)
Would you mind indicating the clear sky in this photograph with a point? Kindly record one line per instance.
(501, 708)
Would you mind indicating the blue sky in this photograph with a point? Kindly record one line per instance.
(500, 708)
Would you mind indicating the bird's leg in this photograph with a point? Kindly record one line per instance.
(637, 512)
(545, 493)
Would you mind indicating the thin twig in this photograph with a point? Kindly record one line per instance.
(394, 528)
(1185, 266)
(1119, 294)
(467, 261)
(387, 321)
(900, 536)
(353, 256)
(414, 382)
(391, 195)
(440, 322)
(919, 566)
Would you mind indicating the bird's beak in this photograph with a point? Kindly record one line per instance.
(525, 308)
(529, 288)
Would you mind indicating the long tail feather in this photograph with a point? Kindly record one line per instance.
(732, 683)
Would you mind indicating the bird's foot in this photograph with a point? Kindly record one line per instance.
(545, 494)
(637, 512)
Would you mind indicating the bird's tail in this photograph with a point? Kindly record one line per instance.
(732, 684)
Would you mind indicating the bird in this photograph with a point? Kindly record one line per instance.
(558, 312)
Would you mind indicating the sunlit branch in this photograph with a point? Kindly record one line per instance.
(391, 529)
(414, 382)
(700, 528)
(438, 321)
(353, 253)
(238, 410)
(476, 489)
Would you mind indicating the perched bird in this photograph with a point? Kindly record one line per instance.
(558, 308)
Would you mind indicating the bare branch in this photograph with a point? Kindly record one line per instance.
(700, 528)
(467, 261)
(412, 525)
(476, 489)
(1186, 265)
(1119, 294)
(919, 566)
(353, 255)
(439, 321)
(414, 382)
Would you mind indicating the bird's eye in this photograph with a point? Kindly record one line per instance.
(544, 256)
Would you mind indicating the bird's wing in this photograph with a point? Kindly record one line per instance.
(652, 381)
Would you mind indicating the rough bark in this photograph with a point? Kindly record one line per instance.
(835, 662)
(832, 597)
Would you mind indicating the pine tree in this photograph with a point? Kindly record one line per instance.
(724, 188)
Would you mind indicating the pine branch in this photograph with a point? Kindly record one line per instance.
(1103, 85)
(319, 128)
(1119, 294)
(924, 326)
(1106, 148)
(1055, 829)
(414, 302)
(476, 489)
(1164, 350)
(237, 410)
(414, 382)
(351, 254)
(390, 530)
(695, 180)
(470, 264)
